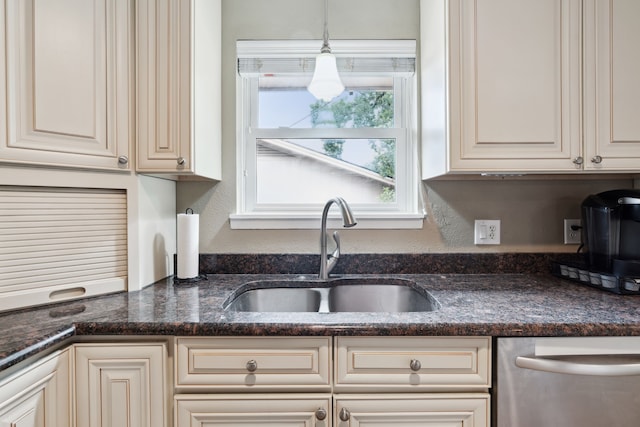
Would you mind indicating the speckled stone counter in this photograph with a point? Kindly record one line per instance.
(471, 304)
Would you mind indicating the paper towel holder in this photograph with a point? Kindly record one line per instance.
(196, 277)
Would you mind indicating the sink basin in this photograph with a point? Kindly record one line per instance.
(375, 295)
(277, 299)
(378, 298)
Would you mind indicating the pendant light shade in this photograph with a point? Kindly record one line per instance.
(326, 84)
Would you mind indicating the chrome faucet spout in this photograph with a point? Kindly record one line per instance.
(327, 262)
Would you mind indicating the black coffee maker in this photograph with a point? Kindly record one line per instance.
(611, 232)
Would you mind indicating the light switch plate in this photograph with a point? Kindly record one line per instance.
(487, 232)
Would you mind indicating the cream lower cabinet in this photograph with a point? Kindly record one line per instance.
(340, 381)
(412, 381)
(67, 70)
(38, 395)
(120, 384)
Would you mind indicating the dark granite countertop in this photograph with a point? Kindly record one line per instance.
(471, 304)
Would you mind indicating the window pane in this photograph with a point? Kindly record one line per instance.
(284, 102)
(303, 171)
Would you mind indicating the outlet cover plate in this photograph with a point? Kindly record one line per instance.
(572, 237)
(487, 232)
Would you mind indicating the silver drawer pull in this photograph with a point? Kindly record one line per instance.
(321, 414)
(180, 161)
(578, 161)
(252, 365)
(344, 414)
(415, 365)
(123, 160)
(596, 159)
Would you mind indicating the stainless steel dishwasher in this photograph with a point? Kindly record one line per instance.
(567, 382)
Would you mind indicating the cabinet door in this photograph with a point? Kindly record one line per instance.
(255, 410)
(179, 87)
(67, 83)
(410, 410)
(38, 396)
(612, 85)
(514, 85)
(121, 385)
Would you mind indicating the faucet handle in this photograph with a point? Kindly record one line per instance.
(333, 258)
(336, 238)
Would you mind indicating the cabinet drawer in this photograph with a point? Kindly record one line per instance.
(273, 409)
(412, 409)
(413, 363)
(258, 363)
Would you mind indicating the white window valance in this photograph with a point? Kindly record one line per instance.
(393, 57)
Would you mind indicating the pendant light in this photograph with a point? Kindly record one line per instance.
(326, 84)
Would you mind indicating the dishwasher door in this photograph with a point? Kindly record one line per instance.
(567, 382)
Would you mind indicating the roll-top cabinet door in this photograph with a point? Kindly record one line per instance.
(288, 410)
(121, 385)
(39, 395)
(612, 85)
(67, 74)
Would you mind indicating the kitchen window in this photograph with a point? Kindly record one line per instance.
(295, 152)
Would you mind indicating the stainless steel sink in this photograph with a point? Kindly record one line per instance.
(379, 298)
(277, 299)
(378, 295)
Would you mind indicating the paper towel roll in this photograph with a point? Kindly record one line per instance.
(188, 247)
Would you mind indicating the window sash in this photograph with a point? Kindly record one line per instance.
(402, 178)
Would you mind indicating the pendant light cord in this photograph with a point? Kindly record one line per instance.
(325, 40)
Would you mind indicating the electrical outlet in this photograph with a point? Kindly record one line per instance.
(571, 236)
(487, 232)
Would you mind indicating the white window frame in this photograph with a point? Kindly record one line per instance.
(405, 213)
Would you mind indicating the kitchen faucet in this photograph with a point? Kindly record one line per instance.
(327, 262)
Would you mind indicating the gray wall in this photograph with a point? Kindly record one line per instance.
(531, 208)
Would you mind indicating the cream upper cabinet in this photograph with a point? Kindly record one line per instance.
(38, 395)
(179, 87)
(503, 88)
(67, 73)
(612, 85)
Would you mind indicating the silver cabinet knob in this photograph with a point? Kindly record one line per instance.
(180, 161)
(252, 365)
(415, 365)
(578, 161)
(321, 414)
(123, 160)
(596, 159)
(344, 414)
